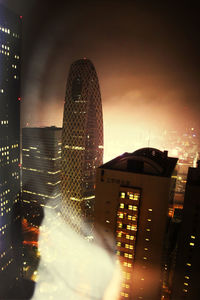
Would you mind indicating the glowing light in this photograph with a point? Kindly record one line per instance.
(62, 248)
(32, 243)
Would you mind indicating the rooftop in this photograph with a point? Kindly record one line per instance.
(144, 161)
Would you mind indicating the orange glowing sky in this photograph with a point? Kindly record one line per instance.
(146, 54)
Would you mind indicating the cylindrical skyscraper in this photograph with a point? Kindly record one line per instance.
(82, 143)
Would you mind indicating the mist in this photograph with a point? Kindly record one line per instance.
(71, 267)
(145, 54)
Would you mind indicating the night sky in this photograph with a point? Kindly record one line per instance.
(146, 54)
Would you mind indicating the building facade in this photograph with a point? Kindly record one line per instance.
(82, 143)
(41, 170)
(133, 193)
(41, 189)
(10, 35)
(186, 276)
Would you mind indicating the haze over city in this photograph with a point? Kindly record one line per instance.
(99, 150)
(146, 55)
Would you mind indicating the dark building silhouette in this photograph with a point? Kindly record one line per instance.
(82, 142)
(186, 276)
(170, 250)
(10, 240)
(133, 193)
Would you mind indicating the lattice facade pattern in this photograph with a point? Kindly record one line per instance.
(82, 143)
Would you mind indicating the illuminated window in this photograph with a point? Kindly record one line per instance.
(123, 195)
(126, 275)
(121, 215)
(128, 255)
(191, 244)
(188, 264)
(119, 234)
(124, 294)
(136, 196)
(132, 218)
(121, 205)
(132, 227)
(127, 286)
(119, 225)
(130, 196)
(128, 246)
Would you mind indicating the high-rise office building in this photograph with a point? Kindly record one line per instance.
(82, 142)
(133, 193)
(41, 179)
(10, 31)
(186, 275)
(41, 170)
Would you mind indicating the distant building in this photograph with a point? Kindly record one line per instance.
(41, 171)
(185, 144)
(133, 193)
(10, 44)
(82, 143)
(186, 276)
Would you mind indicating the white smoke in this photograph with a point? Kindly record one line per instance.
(72, 268)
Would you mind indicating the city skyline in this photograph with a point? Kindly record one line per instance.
(147, 58)
(147, 55)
